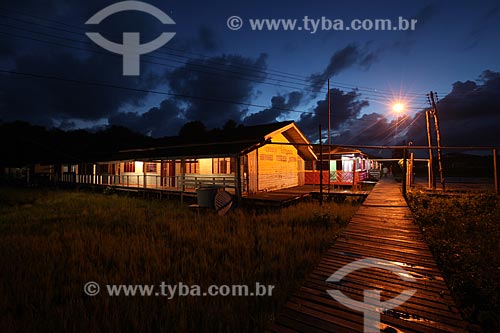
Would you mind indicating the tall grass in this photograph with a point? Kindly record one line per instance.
(53, 242)
(463, 232)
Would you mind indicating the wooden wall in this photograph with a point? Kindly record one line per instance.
(278, 166)
(253, 175)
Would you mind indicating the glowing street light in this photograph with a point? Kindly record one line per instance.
(398, 108)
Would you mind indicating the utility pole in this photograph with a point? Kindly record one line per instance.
(329, 142)
(329, 138)
(404, 176)
(432, 180)
(495, 172)
(438, 139)
(320, 168)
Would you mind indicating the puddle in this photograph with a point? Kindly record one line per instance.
(409, 268)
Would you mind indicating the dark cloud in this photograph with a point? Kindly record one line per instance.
(345, 107)
(205, 41)
(214, 80)
(369, 129)
(59, 103)
(42, 101)
(470, 114)
(217, 79)
(51, 102)
(157, 122)
(347, 57)
(279, 106)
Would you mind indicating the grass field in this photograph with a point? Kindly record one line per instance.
(53, 242)
(463, 232)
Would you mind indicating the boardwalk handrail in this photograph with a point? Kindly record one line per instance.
(188, 181)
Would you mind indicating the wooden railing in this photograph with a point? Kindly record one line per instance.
(339, 177)
(179, 183)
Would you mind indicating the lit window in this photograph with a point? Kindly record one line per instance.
(151, 167)
(129, 167)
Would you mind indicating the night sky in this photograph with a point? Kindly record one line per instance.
(53, 75)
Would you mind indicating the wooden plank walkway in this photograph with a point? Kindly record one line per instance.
(382, 228)
(284, 196)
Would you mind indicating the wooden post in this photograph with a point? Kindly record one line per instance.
(238, 179)
(183, 179)
(432, 180)
(329, 117)
(495, 171)
(410, 170)
(144, 175)
(329, 137)
(438, 139)
(353, 173)
(403, 178)
(320, 168)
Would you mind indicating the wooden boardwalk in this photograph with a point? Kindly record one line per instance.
(285, 196)
(382, 228)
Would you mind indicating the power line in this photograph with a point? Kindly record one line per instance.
(142, 60)
(146, 61)
(107, 85)
(376, 92)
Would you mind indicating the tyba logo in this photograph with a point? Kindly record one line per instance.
(131, 49)
(372, 304)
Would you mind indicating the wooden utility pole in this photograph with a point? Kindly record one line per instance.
(410, 170)
(403, 178)
(238, 178)
(320, 168)
(329, 142)
(329, 137)
(495, 171)
(438, 139)
(432, 180)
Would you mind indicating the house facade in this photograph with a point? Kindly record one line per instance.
(248, 160)
(340, 166)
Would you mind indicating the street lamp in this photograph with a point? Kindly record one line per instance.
(398, 108)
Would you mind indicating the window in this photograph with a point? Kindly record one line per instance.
(129, 167)
(222, 166)
(150, 167)
(191, 167)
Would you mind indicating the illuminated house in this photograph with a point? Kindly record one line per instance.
(244, 160)
(342, 166)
